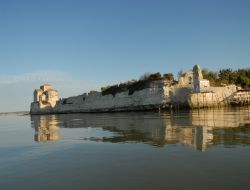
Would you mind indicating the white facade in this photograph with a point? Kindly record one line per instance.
(204, 85)
(46, 95)
(37, 93)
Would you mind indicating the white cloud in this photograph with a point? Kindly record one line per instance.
(17, 90)
(39, 76)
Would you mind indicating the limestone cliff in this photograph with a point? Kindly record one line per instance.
(156, 92)
(152, 97)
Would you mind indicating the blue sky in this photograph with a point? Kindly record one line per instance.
(80, 45)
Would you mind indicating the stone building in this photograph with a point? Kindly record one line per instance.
(191, 91)
(46, 95)
(199, 84)
(37, 93)
(46, 87)
(202, 86)
(186, 80)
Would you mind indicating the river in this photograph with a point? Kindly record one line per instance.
(200, 149)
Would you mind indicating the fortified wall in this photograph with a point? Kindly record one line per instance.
(156, 92)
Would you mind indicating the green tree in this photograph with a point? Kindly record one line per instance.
(211, 76)
(243, 78)
(224, 75)
(145, 76)
(169, 76)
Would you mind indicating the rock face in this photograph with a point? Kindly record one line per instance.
(191, 91)
(145, 99)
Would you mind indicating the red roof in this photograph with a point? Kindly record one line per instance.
(243, 90)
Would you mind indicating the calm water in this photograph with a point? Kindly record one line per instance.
(150, 151)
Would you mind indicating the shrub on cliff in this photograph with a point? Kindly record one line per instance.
(155, 76)
(110, 90)
(145, 76)
(168, 76)
(150, 76)
(133, 85)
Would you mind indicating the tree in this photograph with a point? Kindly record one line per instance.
(243, 81)
(169, 76)
(243, 78)
(224, 75)
(211, 76)
(145, 76)
(155, 76)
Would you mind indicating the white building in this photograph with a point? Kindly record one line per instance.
(46, 95)
(202, 86)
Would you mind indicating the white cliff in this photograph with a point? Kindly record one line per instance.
(155, 93)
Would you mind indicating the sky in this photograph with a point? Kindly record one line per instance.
(82, 45)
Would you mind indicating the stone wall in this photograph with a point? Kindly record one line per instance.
(215, 97)
(242, 97)
(148, 98)
(145, 99)
(160, 95)
(191, 91)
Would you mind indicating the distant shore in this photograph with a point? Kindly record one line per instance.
(15, 113)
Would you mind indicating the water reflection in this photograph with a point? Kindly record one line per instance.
(199, 129)
(46, 128)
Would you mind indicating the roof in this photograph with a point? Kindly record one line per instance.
(46, 84)
(243, 90)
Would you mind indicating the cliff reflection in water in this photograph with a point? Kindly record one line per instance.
(196, 129)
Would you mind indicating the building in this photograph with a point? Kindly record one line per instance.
(46, 95)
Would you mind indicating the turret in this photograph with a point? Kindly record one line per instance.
(199, 84)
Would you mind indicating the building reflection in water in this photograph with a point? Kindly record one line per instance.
(46, 128)
(197, 129)
(198, 137)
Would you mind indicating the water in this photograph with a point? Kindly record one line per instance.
(208, 149)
